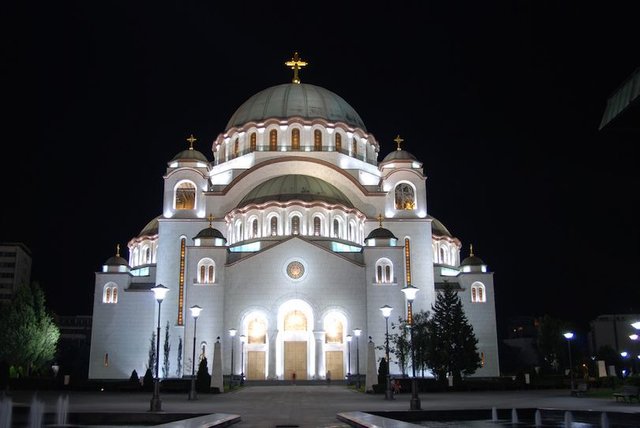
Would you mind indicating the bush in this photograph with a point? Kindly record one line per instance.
(134, 377)
(147, 381)
(203, 378)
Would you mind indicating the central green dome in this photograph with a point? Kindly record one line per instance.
(295, 188)
(296, 99)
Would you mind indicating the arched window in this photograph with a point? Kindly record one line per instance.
(274, 226)
(295, 225)
(147, 255)
(336, 228)
(334, 329)
(317, 140)
(239, 234)
(106, 359)
(405, 197)
(316, 226)
(110, 293)
(295, 139)
(478, 294)
(273, 140)
(354, 148)
(257, 329)
(442, 258)
(253, 141)
(482, 359)
(206, 271)
(254, 228)
(338, 138)
(352, 231)
(295, 321)
(384, 271)
(236, 148)
(185, 196)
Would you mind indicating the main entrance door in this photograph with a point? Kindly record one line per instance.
(335, 364)
(255, 365)
(295, 360)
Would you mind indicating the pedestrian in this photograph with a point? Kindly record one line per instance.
(328, 377)
(395, 385)
(293, 377)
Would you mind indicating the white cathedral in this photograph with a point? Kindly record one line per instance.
(290, 241)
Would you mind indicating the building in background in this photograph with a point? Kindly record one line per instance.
(15, 268)
(293, 236)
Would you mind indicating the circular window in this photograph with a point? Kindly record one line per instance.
(295, 270)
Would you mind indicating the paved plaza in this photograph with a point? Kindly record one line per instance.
(314, 405)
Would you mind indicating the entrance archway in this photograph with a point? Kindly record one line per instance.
(295, 339)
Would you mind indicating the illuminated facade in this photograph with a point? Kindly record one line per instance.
(294, 234)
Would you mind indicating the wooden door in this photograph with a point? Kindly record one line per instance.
(295, 360)
(255, 365)
(334, 362)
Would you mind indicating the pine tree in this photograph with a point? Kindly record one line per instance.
(167, 349)
(452, 345)
(179, 368)
(151, 363)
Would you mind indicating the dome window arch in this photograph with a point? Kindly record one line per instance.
(236, 148)
(253, 142)
(354, 148)
(384, 271)
(336, 228)
(405, 196)
(338, 142)
(254, 228)
(478, 293)
(184, 196)
(317, 140)
(206, 271)
(352, 231)
(274, 225)
(442, 256)
(295, 225)
(295, 139)
(317, 226)
(273, 140)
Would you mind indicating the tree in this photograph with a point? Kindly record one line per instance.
(29, 336)
(420, 339)
(399, 345)
(166, 349)
(151, 363)
(203, 377)
(452, 345)
(551, 343)
(179, 368)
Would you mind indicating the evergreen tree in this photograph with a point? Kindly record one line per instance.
(551, 343)
(203, 377)
(166, 349)
(452, 345)
(29, 336)
(421, 340)
(151, 363)
(179, 368)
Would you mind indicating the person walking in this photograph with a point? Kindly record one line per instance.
(328, 377)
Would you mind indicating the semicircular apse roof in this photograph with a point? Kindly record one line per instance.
(296, 99)
(295, 187)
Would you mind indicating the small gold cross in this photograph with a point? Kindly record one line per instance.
(295, 63)
(398, 141)
(191, 140)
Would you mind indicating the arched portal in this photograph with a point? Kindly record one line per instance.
(295, 341)
(256, 346)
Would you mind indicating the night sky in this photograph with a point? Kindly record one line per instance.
(501, 101)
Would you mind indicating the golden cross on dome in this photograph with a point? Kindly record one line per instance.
(118, 250)
(295, 63)
(380, 219)
(471, 250)
(398, 141)
(191, 140)
(210, 219)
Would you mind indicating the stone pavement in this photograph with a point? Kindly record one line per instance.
(314, 405)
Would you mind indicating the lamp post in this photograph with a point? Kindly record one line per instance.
(349, 338)
(195, 313)
(386, 312)
(634, 337)
(159, 291)
(410, 293)
(243, 339)
(569, 335)
(357, 332)
(232, 334)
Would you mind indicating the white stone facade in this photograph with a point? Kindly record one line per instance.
(278, 237)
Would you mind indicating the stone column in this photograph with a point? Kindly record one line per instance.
(273, 340)
(319, 336)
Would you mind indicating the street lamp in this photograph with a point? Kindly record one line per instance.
(386, 312)
(232, 333)
(636, 325)
(243, 339)
(410, 293)
(357, 332)
(349, 337)
(195, 313)
(159, 291)
(569, 335)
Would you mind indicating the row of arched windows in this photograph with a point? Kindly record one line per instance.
(235, 148)
(340, 228)
(384, 271)
(478, 294)
(110, 293)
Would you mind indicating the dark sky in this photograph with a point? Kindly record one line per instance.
(500, 100)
